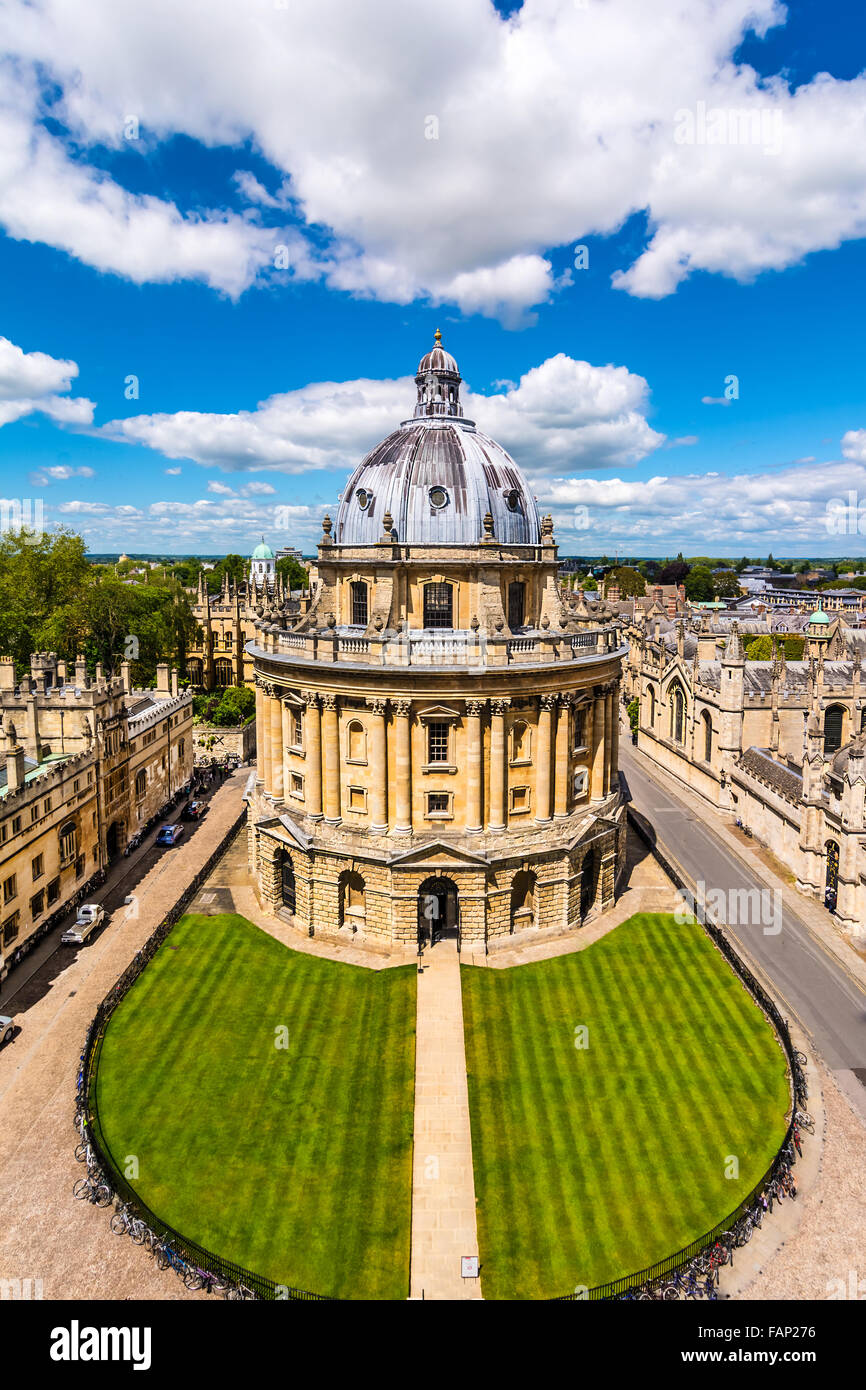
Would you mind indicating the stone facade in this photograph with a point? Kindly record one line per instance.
(437, 732)
(87, 763)
(777, 745)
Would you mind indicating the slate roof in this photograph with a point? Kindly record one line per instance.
(778, 776)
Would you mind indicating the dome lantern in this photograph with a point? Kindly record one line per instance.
(438, 381)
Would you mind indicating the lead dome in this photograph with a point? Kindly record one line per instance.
(438, 475)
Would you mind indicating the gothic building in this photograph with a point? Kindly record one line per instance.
(227, 623)
(437, 733)
(778, 744)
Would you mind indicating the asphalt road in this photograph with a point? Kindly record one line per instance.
(828, 1001)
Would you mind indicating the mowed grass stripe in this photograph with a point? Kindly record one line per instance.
(623, 1143)
(293, 1162)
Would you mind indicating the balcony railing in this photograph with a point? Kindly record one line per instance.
(430, 648)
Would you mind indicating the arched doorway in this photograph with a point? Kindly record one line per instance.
(438, 910)
(112, 841)
(587, 882)
(287, 882)
(831, 880)
(523, 900)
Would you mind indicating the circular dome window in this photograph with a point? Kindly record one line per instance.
(512, 499)
(438, 497)
(363, 497)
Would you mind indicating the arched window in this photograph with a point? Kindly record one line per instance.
(516, 604)
(707, 731)
(353, 909)
(223, 673)
(359, 603)
(678, 713)
(521, 742)
(579, 727)
(523, 900)
(833, 723)
(140, 783)
(287, 882)
(438, 605)
(651, 708)
(194, 671)
(587, 881)
(356, 750)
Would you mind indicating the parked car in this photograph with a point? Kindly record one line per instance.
(89, 916)
(7, 1028)
(169, 834)
(194, 810)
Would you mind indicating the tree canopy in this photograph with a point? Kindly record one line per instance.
(53, 599)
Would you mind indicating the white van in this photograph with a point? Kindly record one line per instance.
(89, 916)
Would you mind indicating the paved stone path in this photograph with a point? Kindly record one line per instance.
(443, 1184)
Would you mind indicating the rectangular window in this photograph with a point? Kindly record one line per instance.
(37, 904)
(3, 833)
(46, 806)
(79, 866)
(34, 814)
(297, 785)
(437, 605)
(516, 604)
(67, 844)
(298, 728)
(519, 799)
(16, 824)
(438, 803)
(10, 928)
(38, 867)
(76, 784)
(53, 891)
(437, 742)
(10, 888)
(359, 603)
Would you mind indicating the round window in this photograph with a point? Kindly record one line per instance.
(512, 499)
(363, 497)
(438, 497)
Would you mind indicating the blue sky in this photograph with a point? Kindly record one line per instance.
(153, 257)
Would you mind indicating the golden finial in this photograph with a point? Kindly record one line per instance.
(438, 336)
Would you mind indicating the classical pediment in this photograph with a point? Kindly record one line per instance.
(440, 854)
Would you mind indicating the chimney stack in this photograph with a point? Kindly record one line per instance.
(61, 673)
(162, 680)
(126, 675)
(175, 687)
(80, 672)
(14, 761)
(7, 673)
(34, 743)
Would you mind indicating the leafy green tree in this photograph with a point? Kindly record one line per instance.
(726, 585)
(674, 573)
(38, 575)
(235, 566)
(293, 573)
(699, 585)
(631, 584)
(632, 709)
(227, 708)
(590, 583)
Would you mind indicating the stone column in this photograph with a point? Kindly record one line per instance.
(563, 757)
(598, 746)
(474, 711)
(403, 787)
(379, 764)
(313, 756)
(331, 758)
(609, 717)
(542, 775)
(260, 737)
(276, 746)
(286, 739)
(614, 746)
(265, 733)
(496, 820)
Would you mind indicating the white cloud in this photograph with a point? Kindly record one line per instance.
(806, 509)
(172, 472)
(854, 445)
(562, 414)
(204, 525)
(29, 381)
(550, 128)
(59, 473)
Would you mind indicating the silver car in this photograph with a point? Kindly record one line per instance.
(7, 1029)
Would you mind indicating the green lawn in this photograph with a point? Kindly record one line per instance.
(294, 1163)
(591, 1164)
